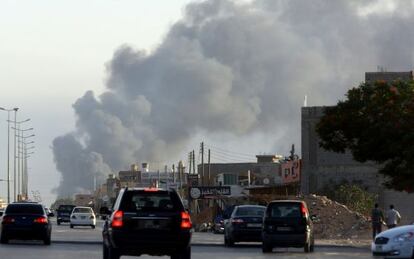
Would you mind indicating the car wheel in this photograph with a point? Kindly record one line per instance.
(230, 241)
(105, 251)
(93, 226)
(266, 248)
(312, 247)
(113, 253)
(71, 226)
(47, 240)
(186, 254)
(4, 239)
(307, 248)
(58, 222)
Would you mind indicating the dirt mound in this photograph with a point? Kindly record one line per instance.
(335, 220)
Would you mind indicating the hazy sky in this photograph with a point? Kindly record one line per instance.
(52, 51)
(231, 73)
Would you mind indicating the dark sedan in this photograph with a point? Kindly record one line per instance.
(27, 221)
(244, 224)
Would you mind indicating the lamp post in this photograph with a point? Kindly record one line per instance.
(8, 149)
(19, 136)
(16, 131)
(24, 157)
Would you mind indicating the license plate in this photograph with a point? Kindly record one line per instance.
(83, 217)
(254, 225)
(378, 247)
(152, 224)
(284, 228)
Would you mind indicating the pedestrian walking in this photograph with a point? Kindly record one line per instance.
(393, 217)
(377, 218)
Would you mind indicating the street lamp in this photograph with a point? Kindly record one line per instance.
(24, 155)
(8, 147)
(16, 128)
(19, 148)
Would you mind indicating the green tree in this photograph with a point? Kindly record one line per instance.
(375, 123)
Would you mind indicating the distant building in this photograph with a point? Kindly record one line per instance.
(322, 168)
(84, 200)
(130, 178)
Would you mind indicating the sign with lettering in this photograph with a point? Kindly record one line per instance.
(205, 192)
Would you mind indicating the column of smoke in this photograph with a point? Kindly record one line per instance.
(230, 68)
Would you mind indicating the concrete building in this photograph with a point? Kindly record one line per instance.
(321, 168)
(266, 171)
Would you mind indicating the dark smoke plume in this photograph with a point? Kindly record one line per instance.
(230, 68)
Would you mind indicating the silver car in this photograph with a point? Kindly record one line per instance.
(395, 243)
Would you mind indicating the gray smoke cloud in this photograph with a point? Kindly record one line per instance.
(230, 68)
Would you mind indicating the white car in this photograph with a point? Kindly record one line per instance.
(82, 216)
(395, 243)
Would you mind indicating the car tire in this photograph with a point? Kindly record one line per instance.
(105, 251)
(58, 222)
(47, 240)
(266, 248)
(185, 254)
(307, 247)
(113, 253)
(71, 226)
(4, 239)
(93, 226)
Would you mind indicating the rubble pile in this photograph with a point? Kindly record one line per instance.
(205, 216)
(335, 220)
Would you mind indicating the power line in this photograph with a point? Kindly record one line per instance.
(228, 151)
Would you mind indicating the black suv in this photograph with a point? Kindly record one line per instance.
(24, 220)
(63, 213)
(147, 221)
(287, 224)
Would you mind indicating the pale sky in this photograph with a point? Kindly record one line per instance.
(52, 52)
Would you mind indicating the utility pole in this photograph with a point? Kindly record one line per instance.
(190, 156)
(194, 165)
(15, 150)
(202, 163)
(209, 181)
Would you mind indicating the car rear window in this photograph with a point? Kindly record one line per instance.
(82, 210)
(134, 201)
(36, 209)
(66, 208)
(250, 211)
(285, 210)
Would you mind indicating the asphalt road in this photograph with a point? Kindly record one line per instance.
(36, 250)
(84, 242)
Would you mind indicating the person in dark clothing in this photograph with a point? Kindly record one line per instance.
(377, 218)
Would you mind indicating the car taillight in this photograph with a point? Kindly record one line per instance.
(92, 217)
(304, 210)
(236, 221)
(151, 189)
(186, 220)
(117, 221)
(7, 220)
(40, 220)
(73, 216)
